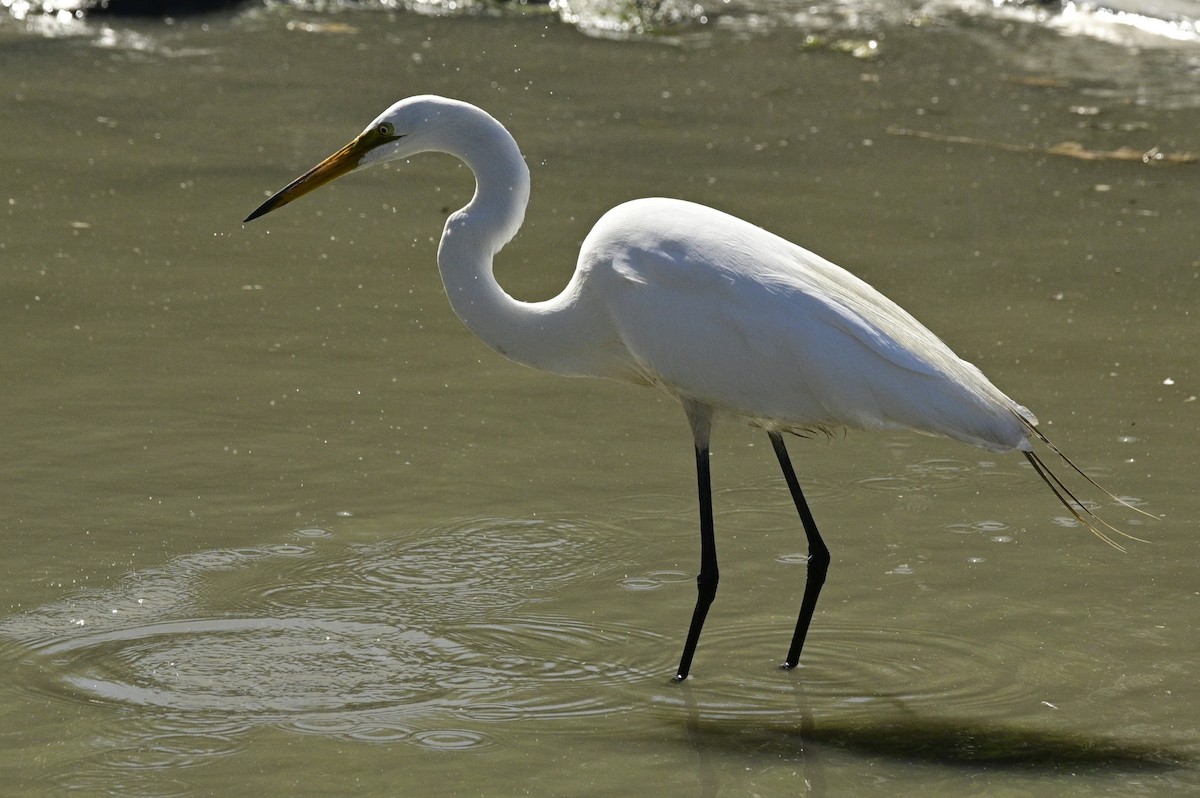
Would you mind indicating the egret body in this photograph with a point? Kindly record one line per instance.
(730, 319)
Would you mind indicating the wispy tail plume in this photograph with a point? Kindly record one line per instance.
(1098, 526)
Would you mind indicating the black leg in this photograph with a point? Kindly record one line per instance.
(818, 554)
(706, 582)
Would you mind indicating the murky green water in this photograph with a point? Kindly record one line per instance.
(276, 523)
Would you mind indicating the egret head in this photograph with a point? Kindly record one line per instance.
(409, 127)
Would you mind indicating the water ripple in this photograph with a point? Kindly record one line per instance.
(853, 670)
(430, 640)
(452, 572)
(408, 640)
(251, 666)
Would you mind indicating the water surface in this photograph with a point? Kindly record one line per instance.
(275, 520)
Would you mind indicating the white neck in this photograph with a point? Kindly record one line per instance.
(551, 335)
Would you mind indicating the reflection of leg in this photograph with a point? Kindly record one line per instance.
(810, 757)
(818, 554)
(705, 774)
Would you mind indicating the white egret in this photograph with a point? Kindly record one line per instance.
(726, 317)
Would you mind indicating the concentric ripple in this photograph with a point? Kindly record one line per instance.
(448, 573)
(848, 670)
(252, 666)
(412, 639)
(432, 639)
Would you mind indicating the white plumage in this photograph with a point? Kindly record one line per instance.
(723, 313)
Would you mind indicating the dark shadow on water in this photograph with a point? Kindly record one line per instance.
(903, 735)
(950, 742)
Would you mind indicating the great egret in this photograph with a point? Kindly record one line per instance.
(729, 319)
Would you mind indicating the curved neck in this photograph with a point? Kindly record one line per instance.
(546, 335)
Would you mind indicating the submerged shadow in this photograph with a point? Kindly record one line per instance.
(903, 735)
(950, 742)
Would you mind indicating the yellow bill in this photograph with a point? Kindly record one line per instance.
(345, 160)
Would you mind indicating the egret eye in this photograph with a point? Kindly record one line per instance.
(386, 129)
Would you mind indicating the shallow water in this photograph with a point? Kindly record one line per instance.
(276, 522)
